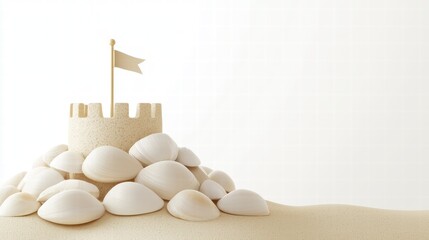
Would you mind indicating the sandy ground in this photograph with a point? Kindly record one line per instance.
(285, 222)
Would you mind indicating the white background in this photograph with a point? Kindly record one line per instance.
(304, 102)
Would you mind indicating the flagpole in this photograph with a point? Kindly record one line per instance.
(112, 44)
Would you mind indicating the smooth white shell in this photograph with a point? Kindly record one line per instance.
(130, 198)
(212, 189)
(39, 162)
(68, 161)
(199, 174)
(154, 148)
(15, 179)
(193, 206)
(53, 152)
(38, 181)
(109, 164)
(243, 202)
(6, 191)
(71, 207)
(188, 158)
(19, 204)
(68, 185)
(167, 178)
(29, 175)
(223, 179)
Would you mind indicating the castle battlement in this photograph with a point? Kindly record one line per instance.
(88, 128)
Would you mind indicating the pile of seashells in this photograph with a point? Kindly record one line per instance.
(161, 172)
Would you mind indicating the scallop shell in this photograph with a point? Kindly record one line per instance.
(19, 204)
(38, 181)
(109, 164)
(188, 158)
(71, 207)
(15, 179)
(68, 185)
(199, 174)
(223, 179)
(130, 198)
(53, 152)
(68, 161)
(6, 191)
(243, 202)
(154, 148)
(193, 206)
(167, 178)
(212, 189)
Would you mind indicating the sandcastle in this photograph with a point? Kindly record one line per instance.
(123, 165)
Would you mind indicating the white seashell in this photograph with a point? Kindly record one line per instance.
(154, 148)
(6, 191)
(109, 164)
(53, 152)
(15, 179)
(29, 175)
(212, 189)
(68, 185)
(19, 204)
(188, 158)
(130, 198)
(223, 179)
(243, 202)
(167, 178)
(68, 161)
(199, 174)
(71, 207)
(193, 206)
(207, 169)
(38, 181)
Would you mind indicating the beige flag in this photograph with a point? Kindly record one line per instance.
(127, 62)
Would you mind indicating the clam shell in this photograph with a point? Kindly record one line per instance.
(39, 180)
(68, 161)
(68, 185)
(19, 204)
(193, 206)
(212, 189)
(167, 178)
(223, 179)
(29, 175)
(154, 148)
(53, 152)
(243, 202)
(6, 191)
(188, 158)
(15, 179)
(130, 198)
(71, 207)
(109, 164)
(199, 174)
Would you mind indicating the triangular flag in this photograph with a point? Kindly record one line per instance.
(127, 62)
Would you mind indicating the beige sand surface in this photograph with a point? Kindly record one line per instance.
(285, 222)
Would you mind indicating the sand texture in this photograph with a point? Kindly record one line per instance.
(285, 222)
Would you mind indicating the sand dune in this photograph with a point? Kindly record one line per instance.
(285, 222)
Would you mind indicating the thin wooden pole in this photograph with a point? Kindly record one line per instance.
(112, 83)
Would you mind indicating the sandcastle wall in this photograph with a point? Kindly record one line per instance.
(88, 128)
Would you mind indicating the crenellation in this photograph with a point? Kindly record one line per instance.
(121, 110)
(77, 110)
(95, 110)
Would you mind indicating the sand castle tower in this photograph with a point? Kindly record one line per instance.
(88, 129)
